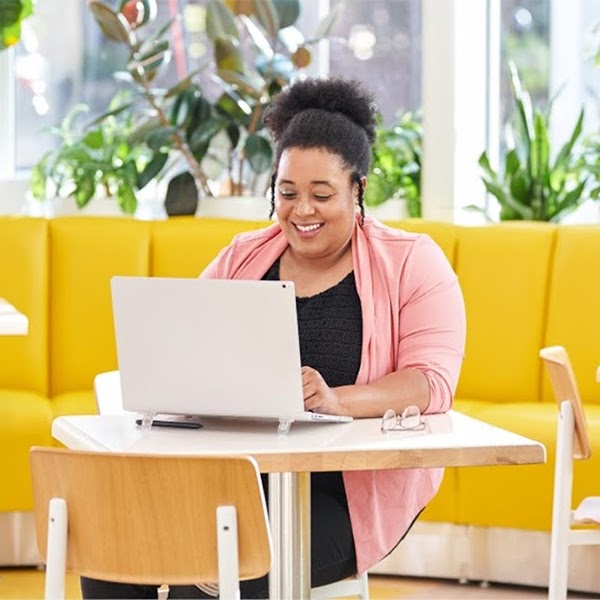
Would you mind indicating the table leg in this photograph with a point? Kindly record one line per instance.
(289, 515)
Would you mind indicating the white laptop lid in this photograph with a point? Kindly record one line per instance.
(208, 347)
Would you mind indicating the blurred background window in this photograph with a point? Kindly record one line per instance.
(64, 59)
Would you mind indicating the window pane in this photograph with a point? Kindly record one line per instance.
(525, 39)
(382, 47)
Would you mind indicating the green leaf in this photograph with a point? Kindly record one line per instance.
(260, 41)
(38, 178)
(246, 83)
(201, 137)
(288, 12)
(85, 190)
(182, 85)
(111, 113)
(228, 55)
(259, 152)
(327, 23)
(126, 198)
(484, 163)
(94, 139)
(161, 137)
(113, 24)
(268, 17)
(511, 163)
(220, 22)
(565, 151)
(540, 151)
(152, 169)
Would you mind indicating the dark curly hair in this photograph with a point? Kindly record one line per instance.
(336, 114)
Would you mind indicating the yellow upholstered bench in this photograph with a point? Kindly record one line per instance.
(526, 286)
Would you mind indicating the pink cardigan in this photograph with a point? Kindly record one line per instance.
(413, 317)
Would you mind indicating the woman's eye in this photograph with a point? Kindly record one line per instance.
(322, 196)
(288, 195)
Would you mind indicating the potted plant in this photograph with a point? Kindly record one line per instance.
(221, 140)
(535, 183)
(395, 172)
(99, 160)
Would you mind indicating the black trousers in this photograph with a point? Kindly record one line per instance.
(332, 549)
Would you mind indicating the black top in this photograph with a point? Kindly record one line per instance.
(330, 330)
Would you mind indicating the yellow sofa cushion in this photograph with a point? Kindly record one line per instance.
(74, 403)
(504, 271)
(24, 283)
(183, 246)
(25, 420)
(84, 254)
(573, 319)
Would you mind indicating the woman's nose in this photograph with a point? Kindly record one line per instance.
(304, 206)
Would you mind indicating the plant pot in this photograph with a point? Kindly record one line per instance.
(57, 207)
(245, 208)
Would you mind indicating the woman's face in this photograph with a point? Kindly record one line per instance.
(315, 202)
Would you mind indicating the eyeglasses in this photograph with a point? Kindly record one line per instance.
(409, 420)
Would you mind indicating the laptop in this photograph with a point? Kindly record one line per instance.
(208, 347)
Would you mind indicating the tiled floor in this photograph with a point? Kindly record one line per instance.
(28, 584)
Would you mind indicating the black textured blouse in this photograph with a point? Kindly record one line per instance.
(330, 330)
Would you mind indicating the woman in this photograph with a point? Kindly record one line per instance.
(380, 317)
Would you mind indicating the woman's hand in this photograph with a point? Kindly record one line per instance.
(318, 396)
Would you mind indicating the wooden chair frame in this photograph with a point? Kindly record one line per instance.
(572, 443)
(149, 519)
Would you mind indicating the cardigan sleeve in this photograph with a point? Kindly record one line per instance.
(432, 322)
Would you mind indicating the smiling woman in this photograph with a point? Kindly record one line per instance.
(380, 314)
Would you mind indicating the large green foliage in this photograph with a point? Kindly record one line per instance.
(257, 50)
(101, 155)
(396, 164)
(535, 183)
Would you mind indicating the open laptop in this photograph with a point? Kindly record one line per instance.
(210, 347)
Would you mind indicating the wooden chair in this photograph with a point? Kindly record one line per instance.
(572, 443)
(149, 519)
(107, 388)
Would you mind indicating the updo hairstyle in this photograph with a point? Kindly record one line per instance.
(335, 114)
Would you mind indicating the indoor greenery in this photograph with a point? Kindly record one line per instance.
(12, 14)
(396, 164)
(101, 157)
(536, 184)
(257, 51)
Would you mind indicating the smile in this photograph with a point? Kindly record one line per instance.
(308, 228)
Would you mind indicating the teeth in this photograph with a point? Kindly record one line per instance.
(308, 227)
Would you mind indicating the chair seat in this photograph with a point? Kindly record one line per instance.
(587, 512)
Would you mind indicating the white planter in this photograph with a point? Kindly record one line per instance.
(246, 208)
(150, 206)
(393, 209)
(58, 207)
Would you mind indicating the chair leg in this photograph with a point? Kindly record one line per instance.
(363, 584)
(227, 548)
(56, 549)
(561, 508)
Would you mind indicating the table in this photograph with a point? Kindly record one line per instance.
(452, 439)
(12, 322)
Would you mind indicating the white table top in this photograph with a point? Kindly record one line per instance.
(12, 322)
(453, 439)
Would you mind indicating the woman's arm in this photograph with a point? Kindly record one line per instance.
(430, 346)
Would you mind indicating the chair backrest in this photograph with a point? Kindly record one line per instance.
(564, 386)
(149, 518)
(107, 389)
